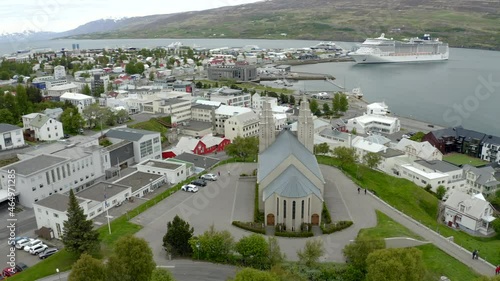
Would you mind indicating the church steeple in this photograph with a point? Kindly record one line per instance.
(305, 128)
(267, 129)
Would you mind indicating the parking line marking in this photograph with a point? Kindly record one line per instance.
(234, 200)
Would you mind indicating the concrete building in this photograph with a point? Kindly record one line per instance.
(203, 112)
(258, 101)
(59, 72)
(79, 100)
(146, 144)
(196, 128)
(470, 213)
(10, 136)
(319, 125)
(225, 112)
(178, 109)
(40, 127)
(174, 171)
(290, 182)
(485, 180)
(242, 125)
(239, 72)
(142, 183)
(99, 83)
(374, 123)
(51, 212)
(57, 91)
(231, 97)
(490, 150)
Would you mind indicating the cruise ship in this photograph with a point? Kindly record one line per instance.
(385, 50)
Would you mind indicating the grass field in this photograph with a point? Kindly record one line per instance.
(437, 262)
(461, 159)
(150, 125)
(416, 203)
(8, 161)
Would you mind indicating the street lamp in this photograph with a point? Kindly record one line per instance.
(59, 273)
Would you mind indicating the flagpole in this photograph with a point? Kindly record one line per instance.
(107, 213)
(109, 225)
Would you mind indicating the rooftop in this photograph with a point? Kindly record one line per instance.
(318, 123)
(102, 190)
(167, 102)
(197, 125)
(202, 106)
(231, 110)
(247, 118)
(197, 160)
(57, 202)
(117, 145)
(208, 102)
(34, 164)
(390, 153)
(75, 96)
(137, 180)
(129, 134)
(39, 121)
(63, 87)
(8, 127)
(161, 164)
(430, 176)
(439, 166)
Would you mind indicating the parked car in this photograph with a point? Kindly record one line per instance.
(210, 177)
(199, 182)
(14, 241)
(21, 266)
(405, 136)
(30, 245)
(9, 271)
(47, 253)
(66, 136)
(23, 242)
(35, 250)
(189, 188)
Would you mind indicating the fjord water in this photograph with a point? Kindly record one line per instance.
(462, 91)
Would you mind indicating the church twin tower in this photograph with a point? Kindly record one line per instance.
(305, 128)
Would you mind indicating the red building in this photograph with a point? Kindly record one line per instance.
(206, 145)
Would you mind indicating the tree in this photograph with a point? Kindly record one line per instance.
(346, 156)
(131, 260)
(311, 253)
(177, 237)
(23, 103)
(395, 264)
(275, 255)
(9, 102)
(86, 90)
(283, 98)
(344, 103)
(243, 147)
(122, 116)
(7, 117)
(139, 68)
(322, 148)
(496, 225)
(250, 274)
(354, 131)
(151, 76)
(79, 235)
(291, 100)
(440, 192)
(213, 245)
(34, 94)
(357, 252)
(87, 268)
(92, 113)
(161, 274)
(326, 109)
(254, 250)
(72, 120)
(314, 107)
(336, 103)
(418, 136)
(371, 160)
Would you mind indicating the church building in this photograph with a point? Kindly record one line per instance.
(291, 185)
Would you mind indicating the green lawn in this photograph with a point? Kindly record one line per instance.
(461, 159)
(416, 203)
(150, 125)
(8, 161)
(437, 262)
(61, 260)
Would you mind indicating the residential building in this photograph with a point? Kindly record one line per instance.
(59, 72)
(491, 149)
(206, 145)
(239, 72)
(258, 101)
(10, 136)
(470, 213)
(40, 127)
(57, 91)
(175, 171)
(99, 83)
(203, 112)
(419, 150)
(224, 112)
(142, 183)
(147, 144)
(54, 113)
(51, 212)
(231, 97)
(390, 159)
(458, 140)
(290, 182)
(374, 123)
(178, 109)
(485, 180)
(79, 100)
(242, 125)
(364, 146)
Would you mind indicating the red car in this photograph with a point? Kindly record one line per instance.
(9, 271)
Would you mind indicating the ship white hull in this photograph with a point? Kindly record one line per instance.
(375, 58)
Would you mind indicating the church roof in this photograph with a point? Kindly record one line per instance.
(292, 184)
(286, 144)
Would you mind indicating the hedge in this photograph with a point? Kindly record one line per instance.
(325, 214)
(258, 216)
(294, 234)
(334, 227)
(250, 226)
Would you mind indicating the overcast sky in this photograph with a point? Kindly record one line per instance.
(62, 15)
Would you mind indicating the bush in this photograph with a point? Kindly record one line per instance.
(250, 226)
(258, 216)
(325, 214)
(334, 227)
(294, 234)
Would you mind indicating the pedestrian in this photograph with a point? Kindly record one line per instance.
(365, 191)
(229, 173)
(477, 254)
(497, 271)
(474, 254)
(218, 173)
(359, 190)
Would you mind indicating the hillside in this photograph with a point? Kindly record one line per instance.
(462, 23)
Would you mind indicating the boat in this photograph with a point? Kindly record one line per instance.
(327, 46)
(357, 93)
(385, 50)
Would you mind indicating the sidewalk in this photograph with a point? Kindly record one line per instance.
(62, 276)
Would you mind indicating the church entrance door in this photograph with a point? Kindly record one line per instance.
(270, 219)
(315, 219)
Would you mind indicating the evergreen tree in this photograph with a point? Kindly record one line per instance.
(86, 90)
(79, 235)
(176, 240)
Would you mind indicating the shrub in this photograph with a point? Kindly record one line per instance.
(250, 226)
(334, 227)
(325, 214)
(258, 216)
(294, 234)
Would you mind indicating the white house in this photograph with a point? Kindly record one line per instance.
(51, 212)
(178, 109)
(470, 213)
(258, 101)
(491, 149)
(377, 108)
(364, 146)
(10, 136)
(483, 180)
(242, 125)
(147, 144)
(174, 171)
(81, 101)
(374, 123)
(59, 72)
(53, 113)
(225, 112)
(419, 150)
(42, 127)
